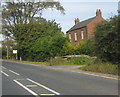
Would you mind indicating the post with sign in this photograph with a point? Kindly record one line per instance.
(15, 52)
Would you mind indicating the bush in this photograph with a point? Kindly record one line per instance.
(107, 40)
(57, 61)
(86, 47)
(81, 60)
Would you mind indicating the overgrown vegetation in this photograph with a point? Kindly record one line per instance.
(81, 60)
(102, 67)
(107, 40)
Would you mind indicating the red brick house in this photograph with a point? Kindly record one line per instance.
(85, 29)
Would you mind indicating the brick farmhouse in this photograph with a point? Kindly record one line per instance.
(85, 29)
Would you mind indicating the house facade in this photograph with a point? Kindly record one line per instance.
(83, 30)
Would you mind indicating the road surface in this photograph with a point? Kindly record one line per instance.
(28, 79)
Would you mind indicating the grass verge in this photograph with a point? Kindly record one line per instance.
(29, 62)
(106, 68)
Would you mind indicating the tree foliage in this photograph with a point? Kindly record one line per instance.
(39, 40)
(34, 35)
(107, 40)
(18, 12)
(86, 47)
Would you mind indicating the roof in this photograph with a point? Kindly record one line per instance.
(81, 24)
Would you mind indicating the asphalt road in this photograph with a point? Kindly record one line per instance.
(27, 79)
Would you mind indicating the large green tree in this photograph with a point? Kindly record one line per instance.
(18, 12)
(23, 22)
(107, 38)
(39, 40)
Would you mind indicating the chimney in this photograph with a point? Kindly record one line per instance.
(77, 20)
(98, 13)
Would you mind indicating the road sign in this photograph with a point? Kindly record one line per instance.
(14, 51)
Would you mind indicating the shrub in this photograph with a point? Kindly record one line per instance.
(56, 61)
(81, 60)
(107, 40)
(86, 47)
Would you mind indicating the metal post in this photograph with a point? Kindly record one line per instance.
(16, 56)
(7, 48)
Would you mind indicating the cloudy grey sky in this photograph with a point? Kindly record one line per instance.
(82, 10)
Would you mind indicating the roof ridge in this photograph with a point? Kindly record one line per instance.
(81, 24)
(87, 19)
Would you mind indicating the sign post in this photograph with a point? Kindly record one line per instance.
(15, 52)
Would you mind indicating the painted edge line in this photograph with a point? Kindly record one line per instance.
(97, 75)
(4, 73)
(30, 91)
(14, 72)
(44, 87)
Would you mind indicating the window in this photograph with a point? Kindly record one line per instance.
(70, 37)
(82, 35)
(75, 36)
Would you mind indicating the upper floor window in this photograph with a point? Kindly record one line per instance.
(76, 36)
(70, 37)
(82, 35)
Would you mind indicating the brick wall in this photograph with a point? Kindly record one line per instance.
(91, 26)
(79, 37)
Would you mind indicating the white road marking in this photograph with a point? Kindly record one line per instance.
(14, 72)
(3, 67)
(31, 85)
(25, 87)
(44, 87)
(4, 73)
(21, 79)
(97, 75)
(46, 94)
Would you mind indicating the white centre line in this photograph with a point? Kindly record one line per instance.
(30, 86)
(3, 67)
(14, 72)
(47, 94)
(44, 87)
(25, 87)
(4, 73)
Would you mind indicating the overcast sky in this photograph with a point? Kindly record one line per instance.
(82, 10)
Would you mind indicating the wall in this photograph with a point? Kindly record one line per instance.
(91, 26)
(79, 37)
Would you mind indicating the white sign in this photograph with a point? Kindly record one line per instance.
(14, 51)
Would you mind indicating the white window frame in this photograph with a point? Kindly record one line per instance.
(82, 35)
(75, 36)
(70, 37)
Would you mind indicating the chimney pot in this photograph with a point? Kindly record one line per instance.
(77, 20)
(98, 12)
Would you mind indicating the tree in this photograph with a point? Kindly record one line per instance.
(22, 20)
(39, 40)
(7, 45)
(107, 39)
(17, 12)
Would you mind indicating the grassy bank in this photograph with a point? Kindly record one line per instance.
(81, 60)
(107, 68)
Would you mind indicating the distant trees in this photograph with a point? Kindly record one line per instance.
(107, 39)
